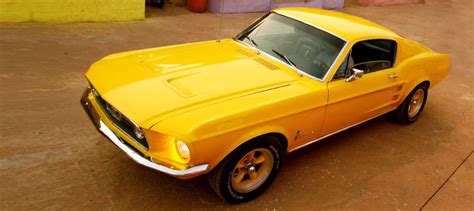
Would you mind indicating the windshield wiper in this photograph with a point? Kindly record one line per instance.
(253, 43)
(288, 60)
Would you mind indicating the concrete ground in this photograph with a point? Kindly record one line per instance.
(51, 157)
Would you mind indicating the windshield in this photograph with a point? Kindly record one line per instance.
(300, 45)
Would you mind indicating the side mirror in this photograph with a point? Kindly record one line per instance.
(356, 73)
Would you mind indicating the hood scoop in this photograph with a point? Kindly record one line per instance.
(165, 64)
(183, 85)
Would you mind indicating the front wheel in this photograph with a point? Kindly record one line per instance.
(410, 110)
(248, 171)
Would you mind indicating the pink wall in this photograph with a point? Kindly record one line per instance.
(386, 2)
(240, 6)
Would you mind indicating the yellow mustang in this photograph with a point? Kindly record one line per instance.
(233, 108)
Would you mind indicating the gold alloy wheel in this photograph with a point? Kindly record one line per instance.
(416, 103)
(252, 170)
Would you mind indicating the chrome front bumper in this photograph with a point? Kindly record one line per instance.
(136, 156)
(143, 161)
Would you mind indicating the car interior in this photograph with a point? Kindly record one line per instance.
(369, 56)
(373, 55)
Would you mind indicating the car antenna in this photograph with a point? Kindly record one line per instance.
(221, 4)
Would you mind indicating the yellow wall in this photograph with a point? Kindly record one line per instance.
(71, 10)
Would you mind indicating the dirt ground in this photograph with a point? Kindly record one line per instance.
(51, 157)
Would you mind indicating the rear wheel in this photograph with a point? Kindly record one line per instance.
(410, 110)
(248, 171)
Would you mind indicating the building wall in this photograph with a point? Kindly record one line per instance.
(241, 6)
(71, 10)
(386, 2)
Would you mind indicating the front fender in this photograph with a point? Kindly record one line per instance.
(239, 140)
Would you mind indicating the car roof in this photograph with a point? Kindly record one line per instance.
(346, 26)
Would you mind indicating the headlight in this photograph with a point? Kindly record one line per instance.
(183, 150)
(168, 149)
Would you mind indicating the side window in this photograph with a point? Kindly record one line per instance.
(374, 55)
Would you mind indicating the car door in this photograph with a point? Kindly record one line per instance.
(353, 100)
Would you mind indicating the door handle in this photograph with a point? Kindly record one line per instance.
(392, 75)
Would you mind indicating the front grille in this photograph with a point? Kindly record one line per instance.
(122, 122)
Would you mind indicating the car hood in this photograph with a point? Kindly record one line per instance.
(150, 85)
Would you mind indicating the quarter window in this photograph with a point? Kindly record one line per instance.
(342, 70)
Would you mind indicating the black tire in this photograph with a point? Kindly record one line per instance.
(401, 115)
(220, 179)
